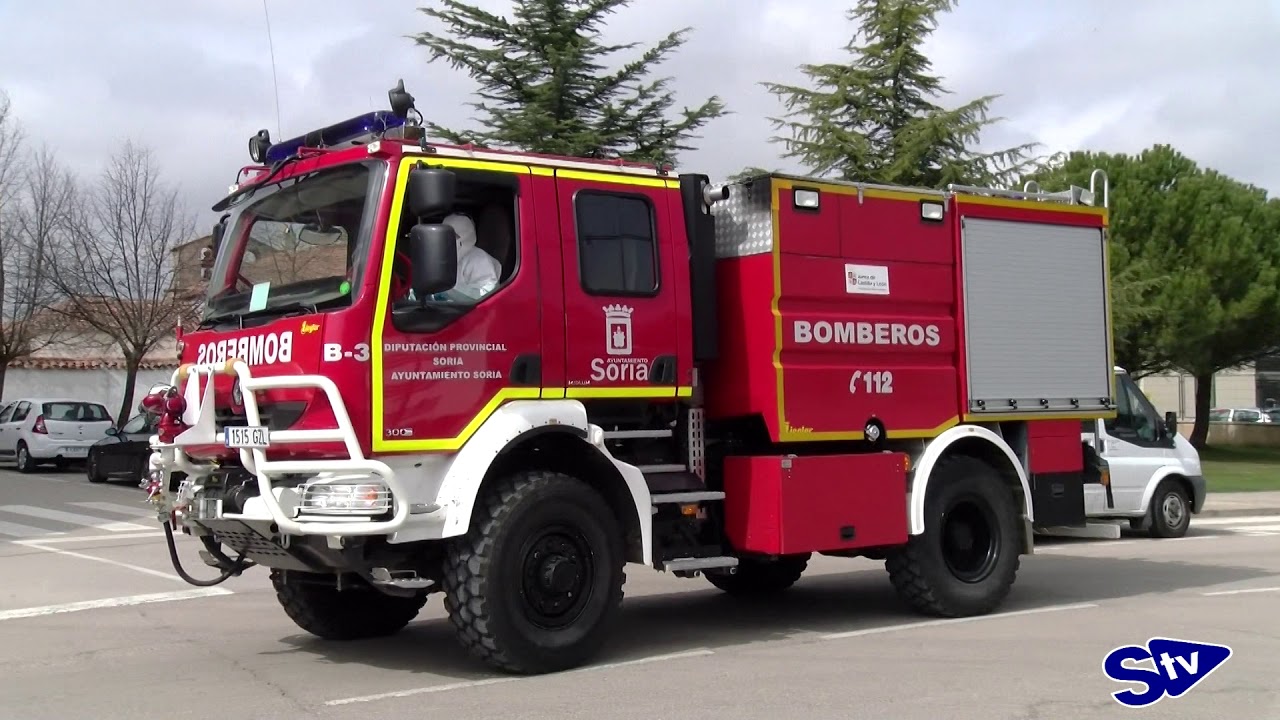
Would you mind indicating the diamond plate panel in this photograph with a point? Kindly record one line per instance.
(744, 221)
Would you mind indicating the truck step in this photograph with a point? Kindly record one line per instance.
(636, 434)
(406, 579)
(699, 563)
(686, 497)
(651, 469)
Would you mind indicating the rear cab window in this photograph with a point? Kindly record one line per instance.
(75, 412)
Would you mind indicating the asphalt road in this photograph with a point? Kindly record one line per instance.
(93, 623)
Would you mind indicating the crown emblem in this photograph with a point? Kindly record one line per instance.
(618, 312)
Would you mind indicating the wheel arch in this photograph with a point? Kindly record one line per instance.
(1159, 476)
(982, 444)
(548, 435)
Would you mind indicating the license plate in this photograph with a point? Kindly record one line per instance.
(74, 452)
(246, 437)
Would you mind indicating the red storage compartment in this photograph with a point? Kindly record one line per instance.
(781, 505)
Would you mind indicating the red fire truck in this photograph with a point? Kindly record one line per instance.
(709, 380)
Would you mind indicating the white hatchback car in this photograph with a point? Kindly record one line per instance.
(58, 430)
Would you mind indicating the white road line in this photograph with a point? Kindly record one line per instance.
(140, 510)
(99, 538)
(1238, 520)
(72, 518)
(107, 561)
(700, 652)
(954, 621)
(1242, 592)
(19, 530)
(126, 601)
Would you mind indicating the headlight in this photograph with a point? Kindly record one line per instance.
(338, 498)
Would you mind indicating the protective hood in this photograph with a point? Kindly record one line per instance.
(465, 229)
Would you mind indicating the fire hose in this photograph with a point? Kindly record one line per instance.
(228, 566)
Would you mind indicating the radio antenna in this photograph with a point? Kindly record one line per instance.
(275, 82)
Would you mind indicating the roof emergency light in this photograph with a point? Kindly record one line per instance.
(348, 132)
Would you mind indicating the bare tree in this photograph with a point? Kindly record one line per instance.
(115, 266)
(35, 195)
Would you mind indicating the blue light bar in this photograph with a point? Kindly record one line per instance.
(337, 134)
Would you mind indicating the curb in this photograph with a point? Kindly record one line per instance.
(1237, 512)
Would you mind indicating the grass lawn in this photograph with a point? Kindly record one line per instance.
(1241, 469)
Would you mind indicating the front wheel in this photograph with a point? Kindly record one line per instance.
(536, 583)
(93, 470)
(1170, 510)
(966, 560)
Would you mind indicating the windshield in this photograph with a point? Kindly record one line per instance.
(300, 242)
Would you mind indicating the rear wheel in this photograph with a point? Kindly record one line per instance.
(354, 613)
(1170, 510)
(26, 463)
(756, 576)
(536, 583)
(966, 560)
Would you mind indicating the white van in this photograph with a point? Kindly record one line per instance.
(1156, 480)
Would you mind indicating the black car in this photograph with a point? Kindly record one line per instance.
(124, 452)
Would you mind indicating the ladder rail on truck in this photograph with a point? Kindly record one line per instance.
(714, 380)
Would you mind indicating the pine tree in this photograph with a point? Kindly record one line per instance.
(873, 119)
(544, 85)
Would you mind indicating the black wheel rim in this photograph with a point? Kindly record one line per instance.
(970, 539)
(557, 576)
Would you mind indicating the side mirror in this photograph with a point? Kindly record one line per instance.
(433, 250)
(431, 191)
(1171, 422)
(218, 231)
(113, 430)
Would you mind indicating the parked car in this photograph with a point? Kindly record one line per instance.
(123, 453)
(35, 431)
(1240, 415)
(1156, 479)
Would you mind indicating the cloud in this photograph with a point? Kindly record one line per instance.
(194, 80)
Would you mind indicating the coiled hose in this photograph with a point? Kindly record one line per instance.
(229, 567)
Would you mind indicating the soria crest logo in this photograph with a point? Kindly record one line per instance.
(617, 329)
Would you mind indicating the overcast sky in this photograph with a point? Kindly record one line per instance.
(194, 78)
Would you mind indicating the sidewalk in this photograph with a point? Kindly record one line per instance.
(1240, 503)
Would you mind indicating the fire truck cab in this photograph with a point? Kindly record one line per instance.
(638, 367)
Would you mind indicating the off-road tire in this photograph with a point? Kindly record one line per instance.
(354, 613)
(491, 585)
(919, 570)
(25, 463)
(757, 576)
(1159, 526)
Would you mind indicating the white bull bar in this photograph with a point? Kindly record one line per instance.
(199, 417)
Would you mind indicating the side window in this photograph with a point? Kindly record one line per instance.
(23, 409)
(617, 244)
(486, 220)
(1133, 418)
(6, 415)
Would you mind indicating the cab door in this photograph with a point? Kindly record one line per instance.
(441, 368)
(623, 323)
(1135, 445)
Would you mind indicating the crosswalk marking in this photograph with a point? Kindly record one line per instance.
(138, 511)
(72, 518)
(19, 530)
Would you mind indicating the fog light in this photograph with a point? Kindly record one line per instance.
(335, 498)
